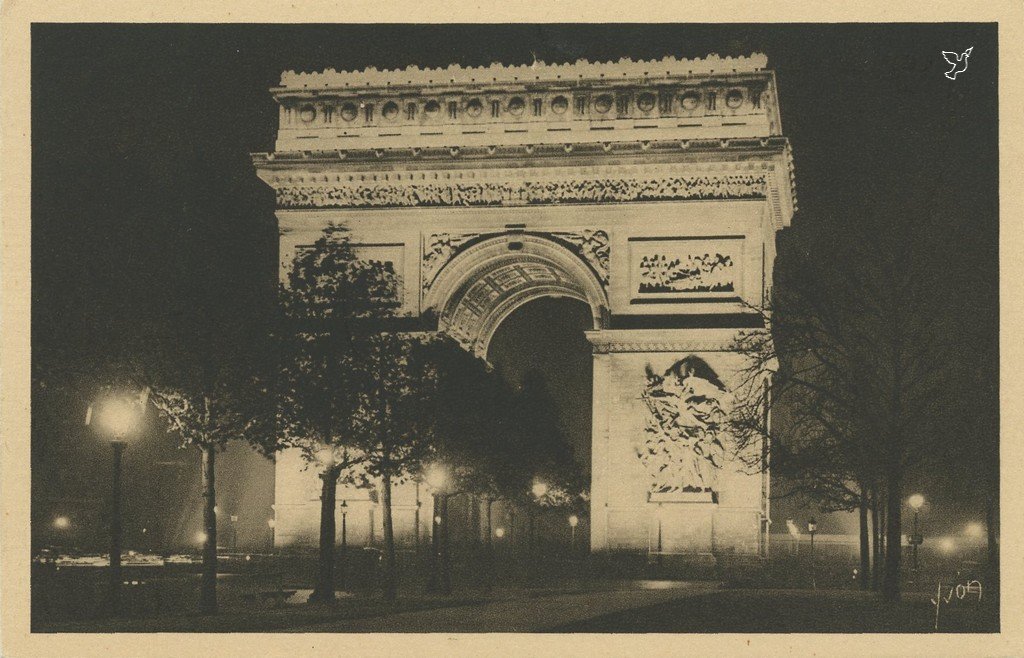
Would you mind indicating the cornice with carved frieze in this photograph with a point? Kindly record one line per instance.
(697, 148)
(664, 340)
(573, 103)
(518, 193)
(535, 72)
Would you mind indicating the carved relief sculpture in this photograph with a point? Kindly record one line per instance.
(708, 272)
(521, 193)
(438, 249)
(686, 268)
(593, 246)
(683, 444)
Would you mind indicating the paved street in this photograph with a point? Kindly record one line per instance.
(526, 614)
(787, 611)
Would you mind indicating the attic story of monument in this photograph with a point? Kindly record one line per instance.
(651, 191)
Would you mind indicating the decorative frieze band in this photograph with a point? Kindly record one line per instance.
(606, 190)
(667, 340)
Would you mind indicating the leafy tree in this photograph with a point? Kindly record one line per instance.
(330, 296)
(207, 401)
(390, 424)
(470, 441)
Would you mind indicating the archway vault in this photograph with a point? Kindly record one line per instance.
(484, 284)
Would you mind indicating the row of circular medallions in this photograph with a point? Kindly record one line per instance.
(688, 101)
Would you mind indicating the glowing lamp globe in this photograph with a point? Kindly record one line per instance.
(574, 520)
(201, 537)
(947, 545)
(539, 489)
(916, 501)
(812, 525)
(499, 532)
(118, 417)
(62, 523)
(325, 455)
(974, 530)
(437, 477)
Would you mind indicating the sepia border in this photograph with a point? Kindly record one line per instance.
(16, 17)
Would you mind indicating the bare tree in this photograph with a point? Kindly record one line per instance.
(863, 387)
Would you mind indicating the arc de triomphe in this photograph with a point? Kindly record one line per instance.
(652, 191)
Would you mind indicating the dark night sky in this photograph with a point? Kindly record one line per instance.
(147, 213)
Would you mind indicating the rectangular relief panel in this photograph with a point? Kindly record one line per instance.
(692, 269)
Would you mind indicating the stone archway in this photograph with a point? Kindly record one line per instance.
(491, 278)
(651, 191)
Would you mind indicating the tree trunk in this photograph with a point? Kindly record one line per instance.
(893, 538)
(512, 535)
(489, 547)
(474, 521)
(390, 574)
(876, 536)
(991, 520)
(992, 530)
(865, 547)
(434, 579)
(490, 531)
(208, 585)
(532, 552)
(882, 530)
(324, 590)
(446, 552)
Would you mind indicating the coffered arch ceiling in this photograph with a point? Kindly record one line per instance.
(480, 287)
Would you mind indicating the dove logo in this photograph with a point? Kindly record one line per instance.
(958, 61)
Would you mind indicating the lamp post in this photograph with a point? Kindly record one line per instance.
(61, 525)
(812, 527)
(539, 489)
(117, 416)
(440, 573)
(573, 522)
(916, 501)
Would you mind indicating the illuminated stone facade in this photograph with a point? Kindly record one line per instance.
(652, 191)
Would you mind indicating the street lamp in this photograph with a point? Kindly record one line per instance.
(539, 490)
(437, 478)
(812, 527)
(62, 523)
(573, 522)
(118, 417)
(916, 501)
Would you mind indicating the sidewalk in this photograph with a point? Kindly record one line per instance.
(526, 614)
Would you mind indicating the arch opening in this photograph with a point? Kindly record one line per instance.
(483, 285)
